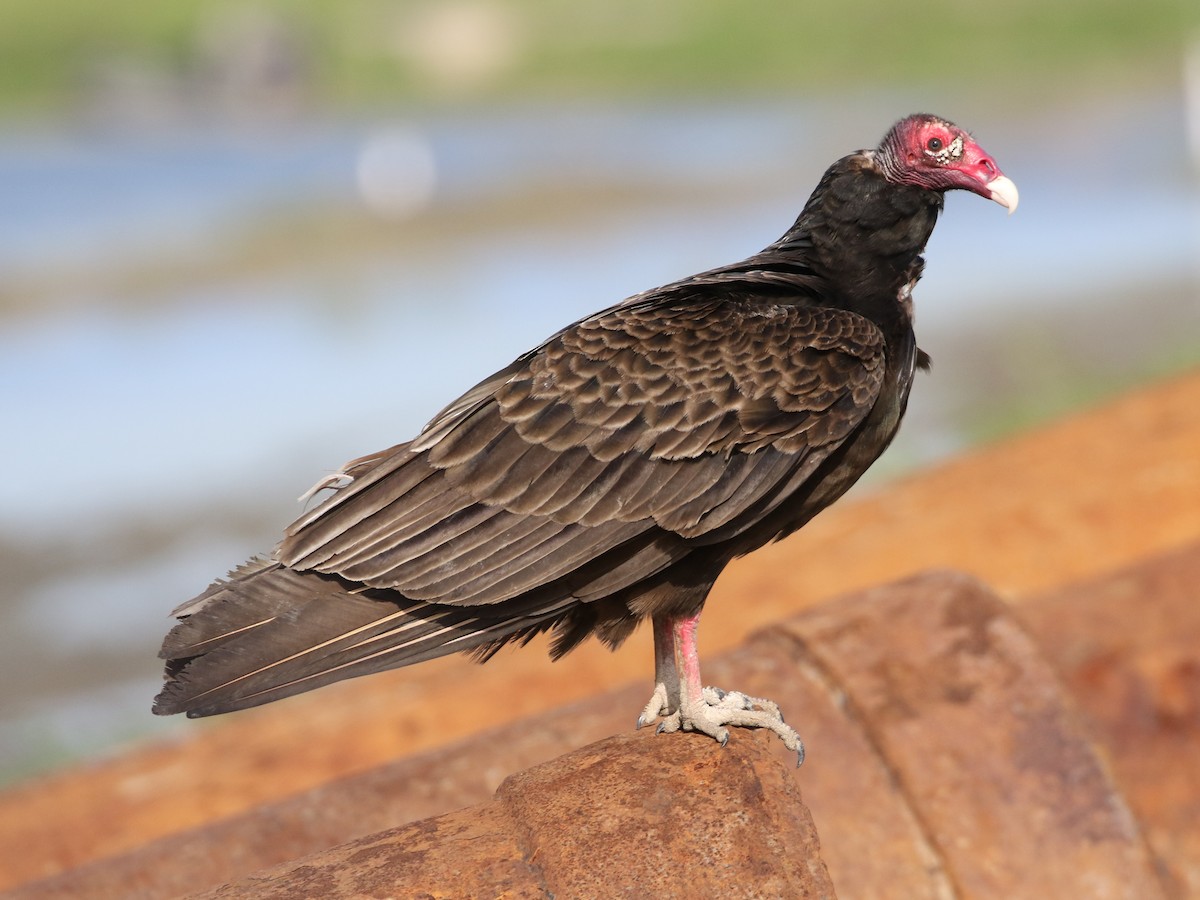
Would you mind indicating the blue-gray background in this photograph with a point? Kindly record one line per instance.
(225, 270)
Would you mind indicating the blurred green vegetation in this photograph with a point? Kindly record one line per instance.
(354, 52)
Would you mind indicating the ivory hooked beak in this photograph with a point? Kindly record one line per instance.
(1004, 192)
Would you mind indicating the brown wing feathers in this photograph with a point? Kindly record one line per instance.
(590, 466)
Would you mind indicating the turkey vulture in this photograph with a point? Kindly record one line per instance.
(611, 473)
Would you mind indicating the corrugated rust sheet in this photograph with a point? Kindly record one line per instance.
(627, 817)
(980, 740)
(955, 749)
(1128, 648)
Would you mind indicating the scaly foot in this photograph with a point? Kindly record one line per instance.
(715, 709)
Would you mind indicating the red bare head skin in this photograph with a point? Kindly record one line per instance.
(929, 152)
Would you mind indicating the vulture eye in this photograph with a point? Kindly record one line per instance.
(934, 145)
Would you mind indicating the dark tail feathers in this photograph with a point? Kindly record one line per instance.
(268, 632)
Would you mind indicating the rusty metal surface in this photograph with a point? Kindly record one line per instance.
(644, 817)
(467, 854)
(978, 734)
(1128, 647)
(946, 758)
(388, 796)
(626, 817)
(871, 838)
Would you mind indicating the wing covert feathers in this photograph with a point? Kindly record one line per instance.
(543, 499)
(673, 422)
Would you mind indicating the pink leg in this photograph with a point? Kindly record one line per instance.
(665, 698)
(684, 704)
(687, 659)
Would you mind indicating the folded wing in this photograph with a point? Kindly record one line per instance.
(588, 468)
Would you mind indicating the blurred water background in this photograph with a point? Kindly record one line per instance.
(240, 244)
